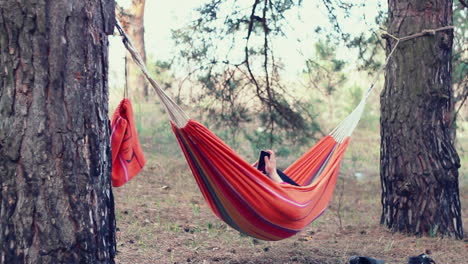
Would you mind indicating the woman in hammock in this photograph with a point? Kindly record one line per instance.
(271, 170)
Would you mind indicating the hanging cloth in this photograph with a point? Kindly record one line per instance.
(127, 156)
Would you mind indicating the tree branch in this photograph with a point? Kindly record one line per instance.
(247, 61)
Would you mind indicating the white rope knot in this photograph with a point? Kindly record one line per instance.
(429, 31)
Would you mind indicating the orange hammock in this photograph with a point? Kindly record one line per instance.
(249, 201)
(241, 195)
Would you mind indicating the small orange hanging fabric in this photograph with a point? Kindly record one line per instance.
(127, 156)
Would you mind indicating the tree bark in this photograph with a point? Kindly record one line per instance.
(419, 164)
(132, 19)
(56, 203)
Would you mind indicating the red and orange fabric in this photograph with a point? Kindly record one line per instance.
(128, 158)
(248, 200)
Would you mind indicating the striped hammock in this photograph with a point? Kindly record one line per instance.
(244, 197)
(248, 200)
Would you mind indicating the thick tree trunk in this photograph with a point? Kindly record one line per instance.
(133, 23)
(419, 164)
(56, 204)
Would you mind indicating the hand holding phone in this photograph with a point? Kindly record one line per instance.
(261, 161)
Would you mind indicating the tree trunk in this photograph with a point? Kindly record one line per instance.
(419, 164)
(56, 203)
(133, 23)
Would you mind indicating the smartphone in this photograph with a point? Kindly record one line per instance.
(261, 161)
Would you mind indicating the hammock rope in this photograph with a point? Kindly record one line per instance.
(241, 195)
(176, 113)
(347, 126)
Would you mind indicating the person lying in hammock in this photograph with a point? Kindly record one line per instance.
(267, 165)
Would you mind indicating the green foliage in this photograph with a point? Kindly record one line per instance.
(459, 57)
(355, 94)
(161, 70)
(370, 51)
(242, 83)
(326, 72)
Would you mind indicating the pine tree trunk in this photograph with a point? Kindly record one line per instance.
(56, 203)
(133, 23)
(419, 164)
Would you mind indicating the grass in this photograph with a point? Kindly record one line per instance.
(163, 218)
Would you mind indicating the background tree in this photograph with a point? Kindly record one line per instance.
(132, 19)
(56, 203)
(419, 164)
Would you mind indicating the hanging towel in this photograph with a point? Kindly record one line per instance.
(127, 156)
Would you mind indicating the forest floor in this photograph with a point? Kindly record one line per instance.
(163, 218)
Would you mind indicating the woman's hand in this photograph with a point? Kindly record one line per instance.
(270, 162)
(270, 167)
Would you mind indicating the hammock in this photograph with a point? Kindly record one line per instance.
(241, 195)
(248, 200)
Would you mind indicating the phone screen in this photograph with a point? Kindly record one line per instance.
(261, 161)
